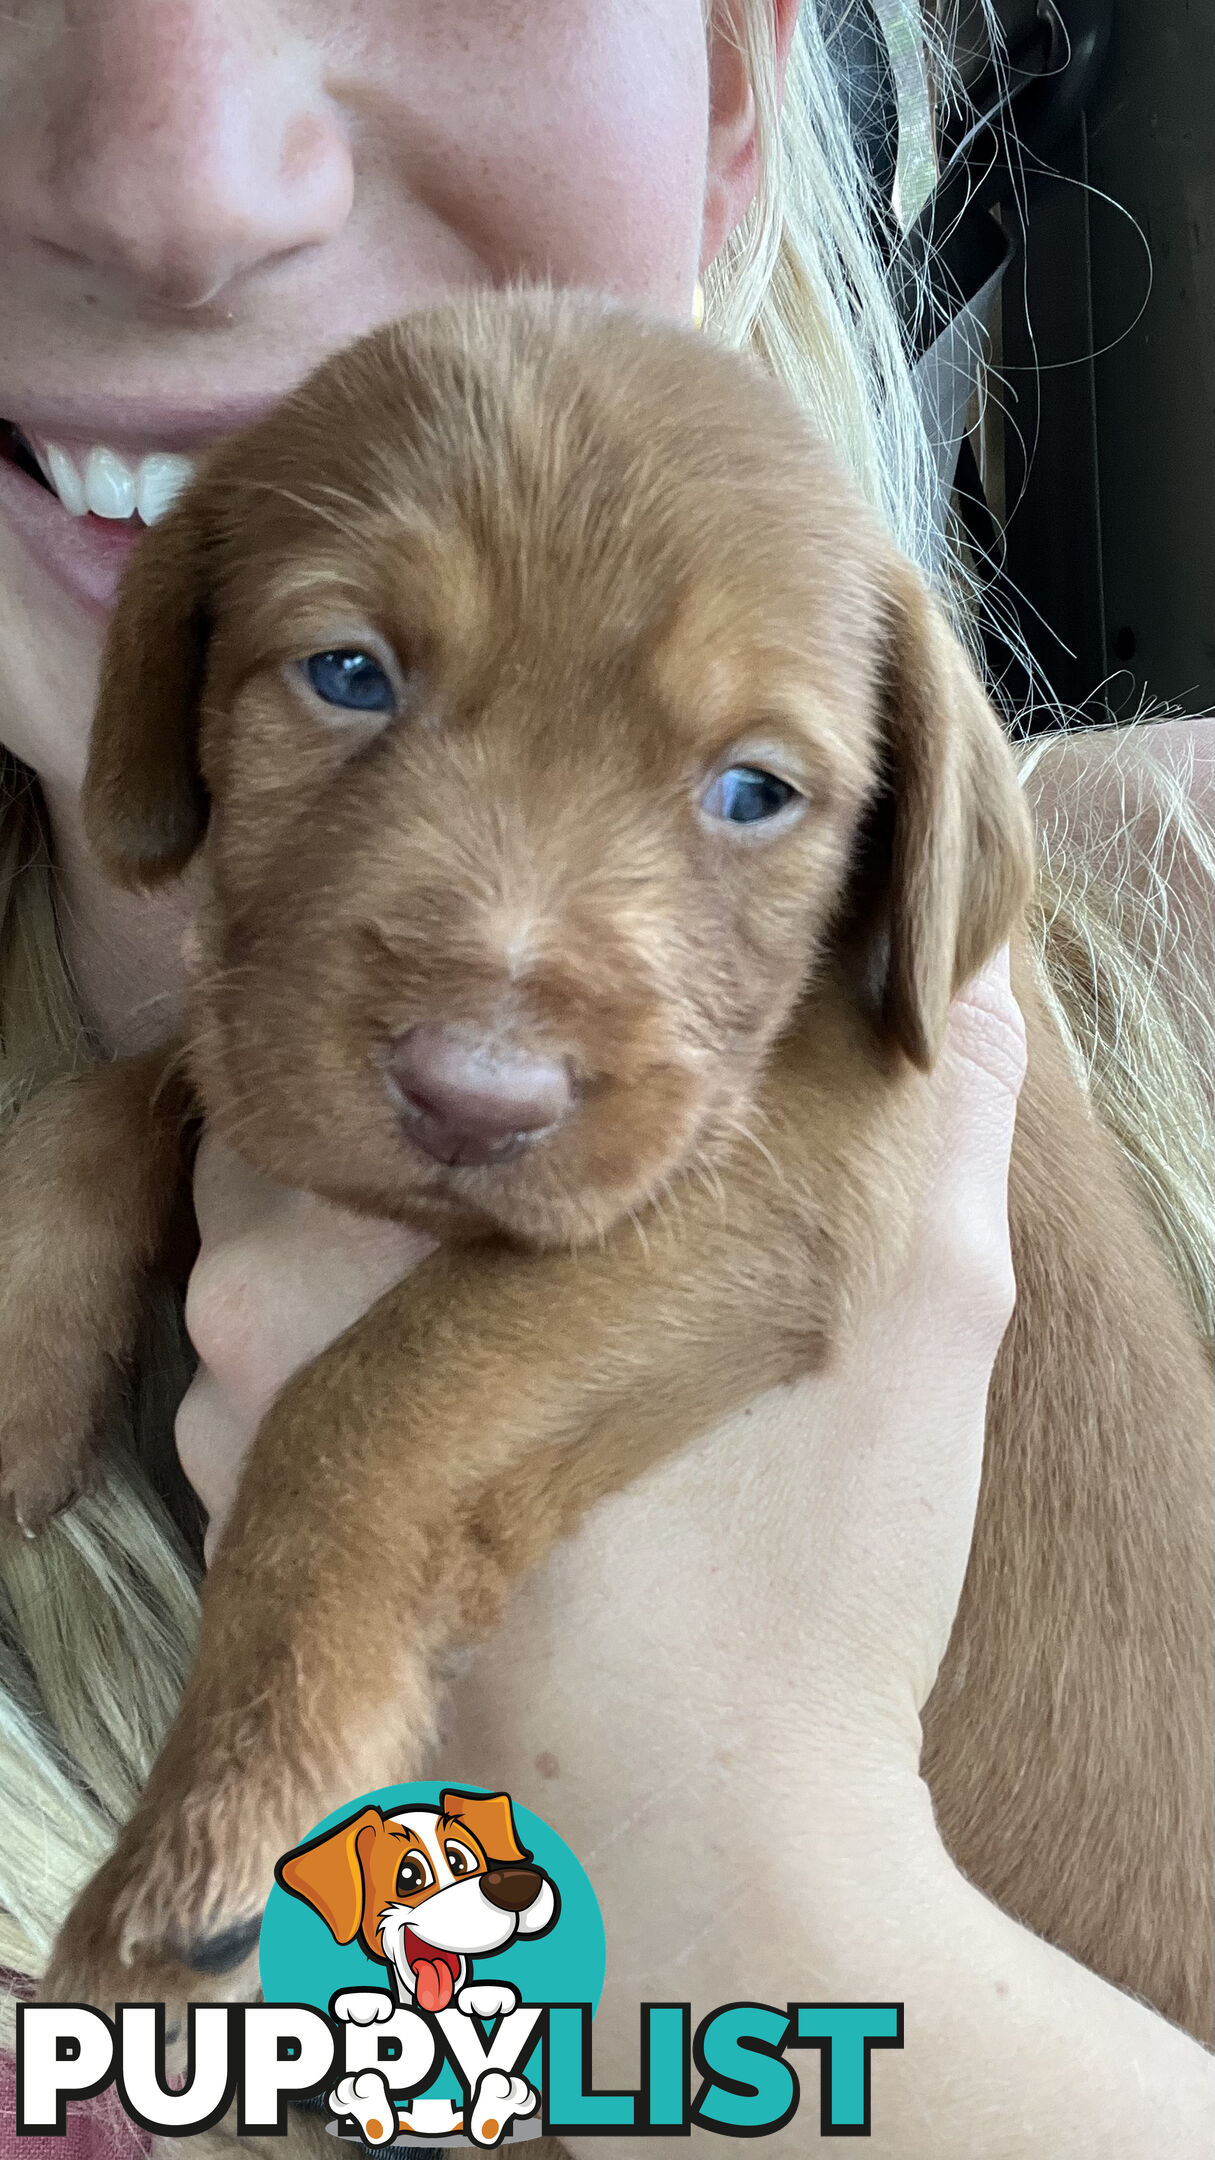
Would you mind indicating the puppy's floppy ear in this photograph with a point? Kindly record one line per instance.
(489, 1817)
(328, 1873)
(144, 803)
(955, 837)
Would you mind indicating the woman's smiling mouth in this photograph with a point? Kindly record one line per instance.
(79, 498)
(85, 554)
(91, 479)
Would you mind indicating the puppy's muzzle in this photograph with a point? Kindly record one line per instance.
(511, 1889)
(466, 1098)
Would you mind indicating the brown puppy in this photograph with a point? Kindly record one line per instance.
(597, 809)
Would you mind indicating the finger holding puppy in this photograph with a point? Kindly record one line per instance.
(280, 1273)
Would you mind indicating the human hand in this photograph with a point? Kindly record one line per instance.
(711, 1694)
(759, 1617)
(769, 1608)
(279, 1275)
(870, 1505)
(875, 1463)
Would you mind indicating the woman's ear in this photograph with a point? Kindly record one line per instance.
(732, 169)
(144, 803)
(957, 849)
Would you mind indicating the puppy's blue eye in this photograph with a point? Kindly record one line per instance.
(351, 679)
(745, 794)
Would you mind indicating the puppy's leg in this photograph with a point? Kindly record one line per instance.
(91, 1199)
(401, 1481)
(1068, 1741)
(361, 1546)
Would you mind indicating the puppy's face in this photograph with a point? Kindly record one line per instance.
(540, 660)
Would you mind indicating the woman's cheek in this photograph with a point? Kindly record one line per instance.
(562, 138)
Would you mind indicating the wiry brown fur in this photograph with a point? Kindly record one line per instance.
(605, 559)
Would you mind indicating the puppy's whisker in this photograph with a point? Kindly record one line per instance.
(639, 1227)
(247, 484)
(666, 1190)
(150, 1003)
(707, 1176)
(735, 1124)
(174, 1066)
(222, 976)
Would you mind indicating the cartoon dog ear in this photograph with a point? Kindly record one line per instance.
(144, 803)
(955, 841)
(489, 1817)
(328, 1873)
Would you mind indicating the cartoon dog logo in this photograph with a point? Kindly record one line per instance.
(425, 1890)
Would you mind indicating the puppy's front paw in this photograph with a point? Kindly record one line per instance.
(55, 1381)
(175, 1913)
(87, 1186)
(55, 1385)
(242, 1778)
(124, 1942)
(56, 1374)
(41, 1471)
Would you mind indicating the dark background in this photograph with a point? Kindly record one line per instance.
(1087, 490)
(1113, 540)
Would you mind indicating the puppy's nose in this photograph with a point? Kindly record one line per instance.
(468, 1099)
(512, 1889)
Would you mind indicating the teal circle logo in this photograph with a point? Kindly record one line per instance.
(424, 1920)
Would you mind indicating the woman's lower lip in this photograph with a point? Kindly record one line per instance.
(85, 555)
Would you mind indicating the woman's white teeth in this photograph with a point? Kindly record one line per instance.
(116, 487)
(109, 485)
(65, 480)
(159, 482)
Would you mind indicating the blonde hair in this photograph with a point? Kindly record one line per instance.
(97, 1617)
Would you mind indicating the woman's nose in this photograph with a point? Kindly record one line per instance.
(179, 145)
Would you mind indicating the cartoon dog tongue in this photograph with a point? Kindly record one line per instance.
(434, 1972)
(433, 1981)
